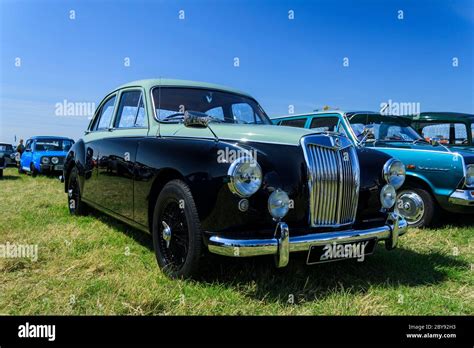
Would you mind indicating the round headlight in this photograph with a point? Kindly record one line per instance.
(278, 204)
(388, 196)
(394, 173)
(54, 160)
(245, 176)
(45, 160)
(470, 175)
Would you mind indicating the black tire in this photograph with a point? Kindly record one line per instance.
(180, 256)
(75, 204)
(20, 171)
(33, 170)
(429, 214)
(1, 173)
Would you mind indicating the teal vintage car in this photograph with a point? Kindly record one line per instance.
(453, 129)
(437, 177)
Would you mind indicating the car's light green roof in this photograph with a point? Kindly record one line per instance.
(149, 83)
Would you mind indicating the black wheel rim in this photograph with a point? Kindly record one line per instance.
(175, 250)
(73, 194)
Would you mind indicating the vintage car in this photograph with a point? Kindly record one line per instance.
(436, 177)
(452, 129)
(202, 168)
(44, 154)
(8, 153)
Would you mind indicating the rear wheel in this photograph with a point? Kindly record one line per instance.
(75, 204)
(417, 206)
(176, 229)
(1, 173)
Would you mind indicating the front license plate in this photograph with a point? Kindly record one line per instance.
(340, 251)
(58, 167)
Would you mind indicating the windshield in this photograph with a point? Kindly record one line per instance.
(383, 128)
(225, 107)
(53, 145)
(5, 148)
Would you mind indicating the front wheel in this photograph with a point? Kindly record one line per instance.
(417, 206)
(176, 229)
(33, 170)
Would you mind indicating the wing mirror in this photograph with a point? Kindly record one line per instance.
(196, 119)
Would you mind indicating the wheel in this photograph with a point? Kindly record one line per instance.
(417, 206)
(1, 173)
(176, 230)
(20, 170)
(75, 203)
(33, 170)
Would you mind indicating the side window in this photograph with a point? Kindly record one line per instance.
(472, 131)
(105, 114)
(216, 112)
(243, 112)
(299, 122)
(28, 145)
(325, 124)
(439, 132)
(131, 110)
(460, 134)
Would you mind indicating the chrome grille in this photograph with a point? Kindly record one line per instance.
(334, 180)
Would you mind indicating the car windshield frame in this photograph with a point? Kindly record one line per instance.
(378, 119)
(240, 99)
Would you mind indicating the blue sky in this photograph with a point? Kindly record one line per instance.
(283, 62)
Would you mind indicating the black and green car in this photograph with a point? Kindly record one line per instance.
(452, 129)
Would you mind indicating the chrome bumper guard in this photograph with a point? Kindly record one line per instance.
(281, 245)
(462, 197)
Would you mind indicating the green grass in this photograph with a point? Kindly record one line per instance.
(96, 265)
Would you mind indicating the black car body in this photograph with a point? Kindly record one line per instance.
(289, 189)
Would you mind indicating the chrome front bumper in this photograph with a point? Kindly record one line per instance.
(462, 197)
(281, 245)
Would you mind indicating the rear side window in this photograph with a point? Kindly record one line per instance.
(299, 122)
(131, 110)
(445, 133)
(105, 114)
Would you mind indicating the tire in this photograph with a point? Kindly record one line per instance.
(406, 206)
(1, 173)
(20, 171)
(75, 204)
(33, 170)
(179, 247)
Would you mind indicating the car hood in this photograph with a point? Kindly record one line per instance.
(240, 132)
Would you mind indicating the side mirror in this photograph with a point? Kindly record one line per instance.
(196, 119)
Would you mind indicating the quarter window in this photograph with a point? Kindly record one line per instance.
(105, 115)
(299, 122)
(131, 110)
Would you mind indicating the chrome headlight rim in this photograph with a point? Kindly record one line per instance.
(54, 160)
(388, 189)
(394, 179)
(232, 174)
(45, 160)
(278, 204)
(469, 180)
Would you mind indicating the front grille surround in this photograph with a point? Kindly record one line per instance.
(333, 179)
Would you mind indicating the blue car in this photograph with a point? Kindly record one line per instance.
(44, 154)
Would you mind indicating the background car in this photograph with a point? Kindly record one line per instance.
(436, 177)
(7, 151)
(453, 129)
(44, 154)
(202, 168)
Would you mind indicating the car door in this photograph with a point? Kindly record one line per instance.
(99, 129)
(118, 152)
(27, 155)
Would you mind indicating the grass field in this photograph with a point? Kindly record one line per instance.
(95, 265)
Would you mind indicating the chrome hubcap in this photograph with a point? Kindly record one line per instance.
(166, 233)
(410, 205)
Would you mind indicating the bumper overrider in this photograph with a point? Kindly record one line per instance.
(282, 244)
(462, 197)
